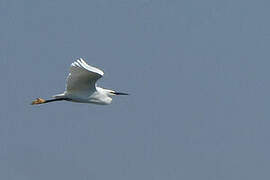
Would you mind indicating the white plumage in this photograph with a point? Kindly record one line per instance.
(81, 86)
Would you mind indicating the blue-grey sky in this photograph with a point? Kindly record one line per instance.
(198, 72)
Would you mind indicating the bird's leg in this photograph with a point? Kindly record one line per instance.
(42, 101)
(38, 101)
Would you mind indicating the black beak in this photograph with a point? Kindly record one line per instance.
(120, 93)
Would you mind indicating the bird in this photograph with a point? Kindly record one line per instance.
(81, 86)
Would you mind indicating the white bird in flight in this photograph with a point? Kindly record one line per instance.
(81, 86)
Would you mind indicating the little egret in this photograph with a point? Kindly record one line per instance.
(81, 86)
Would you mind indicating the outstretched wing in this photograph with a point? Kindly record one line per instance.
(82, 78)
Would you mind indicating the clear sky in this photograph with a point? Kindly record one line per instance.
(198, 75)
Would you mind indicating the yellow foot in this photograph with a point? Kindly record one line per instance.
(38, 101)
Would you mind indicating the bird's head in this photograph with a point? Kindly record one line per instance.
(110, 92)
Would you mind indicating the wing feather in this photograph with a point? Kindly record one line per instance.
(82, 78)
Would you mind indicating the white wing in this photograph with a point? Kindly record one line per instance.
(82, 78)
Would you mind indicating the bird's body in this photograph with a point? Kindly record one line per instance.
(81, 86)
(97, 97)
